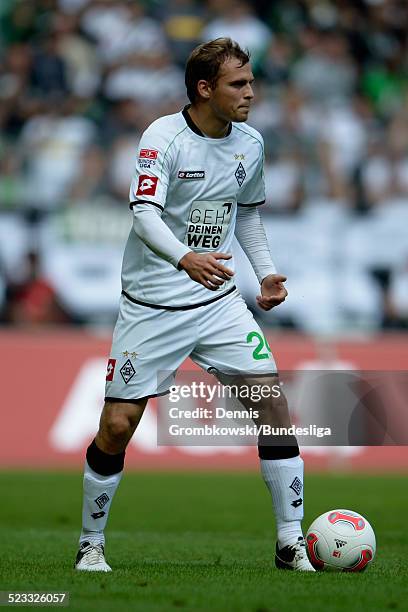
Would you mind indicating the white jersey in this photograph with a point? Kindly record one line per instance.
(197, 183)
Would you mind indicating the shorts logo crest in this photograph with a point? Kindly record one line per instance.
(240, 174)
(110, 370)
(147, 185)
(127, 371)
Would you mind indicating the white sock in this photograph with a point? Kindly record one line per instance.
(284, 479)
(98, 494)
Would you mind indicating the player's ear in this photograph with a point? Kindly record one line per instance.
(204, 89)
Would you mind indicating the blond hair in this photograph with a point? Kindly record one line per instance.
(205, 61)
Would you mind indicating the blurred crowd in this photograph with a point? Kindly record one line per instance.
(81, 79)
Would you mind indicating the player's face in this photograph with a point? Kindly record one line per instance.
(231, 98)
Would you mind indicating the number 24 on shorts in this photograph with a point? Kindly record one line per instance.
(262, 349)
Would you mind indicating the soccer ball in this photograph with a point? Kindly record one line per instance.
(341, 540)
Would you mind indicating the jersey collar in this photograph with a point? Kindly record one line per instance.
(195, 127)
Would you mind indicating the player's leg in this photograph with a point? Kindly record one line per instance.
(233, 347)
(103, 471)
(147, 348)
(281, 466)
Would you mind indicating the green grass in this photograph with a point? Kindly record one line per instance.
(196, 542)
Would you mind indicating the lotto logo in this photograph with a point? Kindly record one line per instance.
(191, 174)
(110, 370)
(98, 515)
(148, 154)
(147, 185)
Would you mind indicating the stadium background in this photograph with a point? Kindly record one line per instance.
(79, 81)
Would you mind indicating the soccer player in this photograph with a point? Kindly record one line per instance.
(199, 180)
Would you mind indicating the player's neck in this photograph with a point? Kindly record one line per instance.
(209, 125)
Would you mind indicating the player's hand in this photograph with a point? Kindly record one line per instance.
(204, 268)
(273, 291)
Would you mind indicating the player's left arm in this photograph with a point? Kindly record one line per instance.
(273, 291)
(250, 233)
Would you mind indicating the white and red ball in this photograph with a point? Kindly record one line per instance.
(341, 540)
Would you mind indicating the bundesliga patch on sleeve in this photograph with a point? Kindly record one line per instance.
(147, 158)
(147, 185)
(148, 154)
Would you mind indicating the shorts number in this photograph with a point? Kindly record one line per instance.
(262, 344)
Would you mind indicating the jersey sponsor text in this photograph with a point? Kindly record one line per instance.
(207, 225)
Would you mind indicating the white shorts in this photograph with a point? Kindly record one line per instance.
(148, 342)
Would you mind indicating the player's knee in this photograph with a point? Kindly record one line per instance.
(274, 411)
(118, 427)
(279, 402)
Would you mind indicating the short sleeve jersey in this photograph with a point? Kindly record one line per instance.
(196, 183)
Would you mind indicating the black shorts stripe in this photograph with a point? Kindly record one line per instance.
(243, 374)
(175, 308)
(134, 400)
(132, 204)
(252, 204)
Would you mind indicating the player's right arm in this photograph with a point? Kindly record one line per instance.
(206, 269)
(203, 268)
(148, 193)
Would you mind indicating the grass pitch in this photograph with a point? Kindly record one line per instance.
(198, 542)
